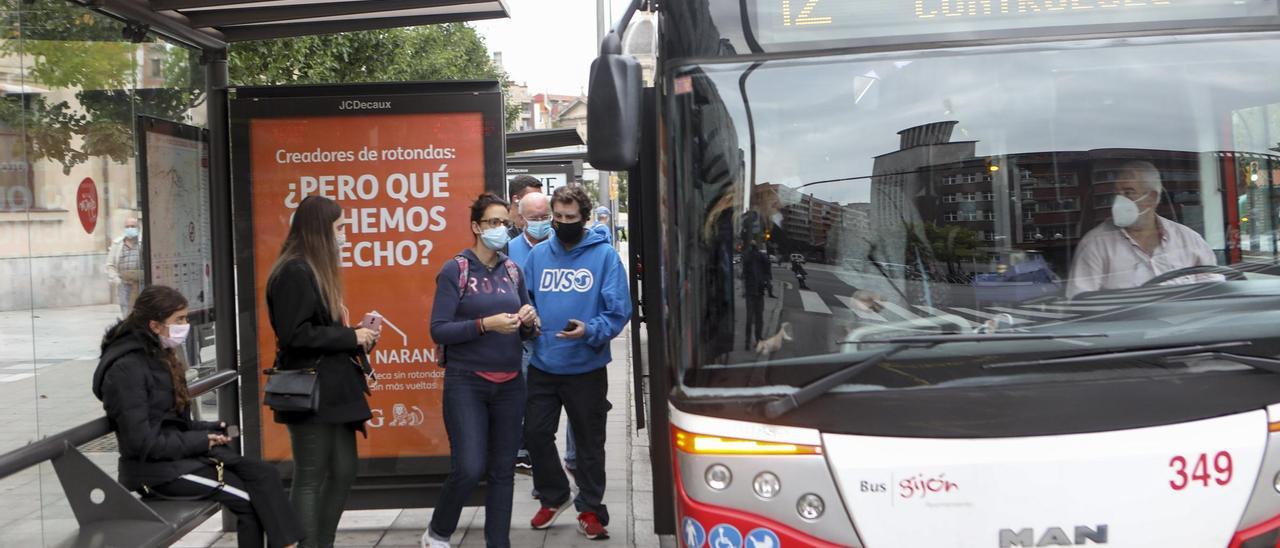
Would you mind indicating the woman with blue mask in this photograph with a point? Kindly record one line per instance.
(480, 316)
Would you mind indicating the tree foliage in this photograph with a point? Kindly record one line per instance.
(451, 51)
(72, 49)
(78, 53)
(952, 245)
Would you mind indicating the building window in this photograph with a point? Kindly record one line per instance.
(157, 70)
(952, 216)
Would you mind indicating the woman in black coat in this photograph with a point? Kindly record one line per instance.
(163, 453)
(304, 300)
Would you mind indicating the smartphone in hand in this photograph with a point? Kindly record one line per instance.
(372, 321)
(569, 327)
(233, 431)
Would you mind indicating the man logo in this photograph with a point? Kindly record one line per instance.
(1054, 536)
(564, 280)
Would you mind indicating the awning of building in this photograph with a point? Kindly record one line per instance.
(538, 139)
(212, 24)
(547, 157)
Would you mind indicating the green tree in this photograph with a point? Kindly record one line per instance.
(452, 51)
(952, 245)
(74, 49)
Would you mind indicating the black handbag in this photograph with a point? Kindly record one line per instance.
(292, 390)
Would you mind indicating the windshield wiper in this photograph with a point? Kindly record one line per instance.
(1257, 362)
(811, 391)
(1123, 354)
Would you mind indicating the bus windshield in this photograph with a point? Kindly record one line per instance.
(1113, 186)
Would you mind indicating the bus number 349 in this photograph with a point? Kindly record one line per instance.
(1185, 473)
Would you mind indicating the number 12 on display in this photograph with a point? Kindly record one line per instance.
(1186, 471)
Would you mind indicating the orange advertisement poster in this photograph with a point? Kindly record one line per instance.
(405, 182)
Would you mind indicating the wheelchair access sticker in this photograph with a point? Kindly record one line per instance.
(724, 536)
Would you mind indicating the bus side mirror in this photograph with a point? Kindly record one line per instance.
(613, 112)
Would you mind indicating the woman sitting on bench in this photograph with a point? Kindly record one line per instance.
(163, 453)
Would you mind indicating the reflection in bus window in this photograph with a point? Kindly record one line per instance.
(944, 191)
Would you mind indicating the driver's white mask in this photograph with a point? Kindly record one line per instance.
(1125, 212)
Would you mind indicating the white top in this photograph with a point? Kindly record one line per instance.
(1108, 258)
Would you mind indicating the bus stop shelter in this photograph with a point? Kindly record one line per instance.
(209, 27)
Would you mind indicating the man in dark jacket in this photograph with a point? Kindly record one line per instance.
(519, 187)
(756, 275)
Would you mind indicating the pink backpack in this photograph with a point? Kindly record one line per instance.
(464, 273)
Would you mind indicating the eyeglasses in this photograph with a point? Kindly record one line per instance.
(1133, 193)
(495, 223)
(539, 219)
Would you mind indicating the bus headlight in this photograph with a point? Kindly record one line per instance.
(766, 485)
(718, 477)
(810, 507)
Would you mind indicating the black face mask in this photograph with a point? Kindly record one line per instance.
(569, 233)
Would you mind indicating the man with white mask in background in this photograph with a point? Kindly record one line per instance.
(1137, 245)
(124, 265)
(534, 212)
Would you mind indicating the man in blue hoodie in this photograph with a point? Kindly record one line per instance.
(579, 286)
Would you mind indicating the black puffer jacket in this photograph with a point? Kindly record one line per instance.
(157, 443)
(309, 338)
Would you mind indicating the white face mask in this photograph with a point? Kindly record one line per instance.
(177, 335)
(340, 238)
(1124, 212)
(776, 218)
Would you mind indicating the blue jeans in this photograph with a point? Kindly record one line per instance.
(483, 420)
(570, 449)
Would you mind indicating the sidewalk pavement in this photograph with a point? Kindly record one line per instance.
(629, 495)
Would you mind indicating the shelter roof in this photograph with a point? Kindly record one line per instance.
(212, 24)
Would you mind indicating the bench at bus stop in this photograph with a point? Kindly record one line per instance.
(109, 515)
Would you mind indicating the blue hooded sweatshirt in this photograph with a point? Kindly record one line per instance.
(586, 283)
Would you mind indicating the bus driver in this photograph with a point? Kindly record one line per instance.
(1137, 245)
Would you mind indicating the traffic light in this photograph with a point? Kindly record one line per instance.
(1251, 171)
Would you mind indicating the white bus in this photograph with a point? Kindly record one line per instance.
(1131, 400)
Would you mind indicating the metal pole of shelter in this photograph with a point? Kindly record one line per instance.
(224, 284)
(602, 177)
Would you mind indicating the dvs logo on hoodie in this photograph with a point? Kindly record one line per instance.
(564, 280)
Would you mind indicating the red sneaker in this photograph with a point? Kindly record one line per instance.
(590, 526)
(546, 516)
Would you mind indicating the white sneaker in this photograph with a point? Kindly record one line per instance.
(429, 542)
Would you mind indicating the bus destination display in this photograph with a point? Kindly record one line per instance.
(788, 21)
